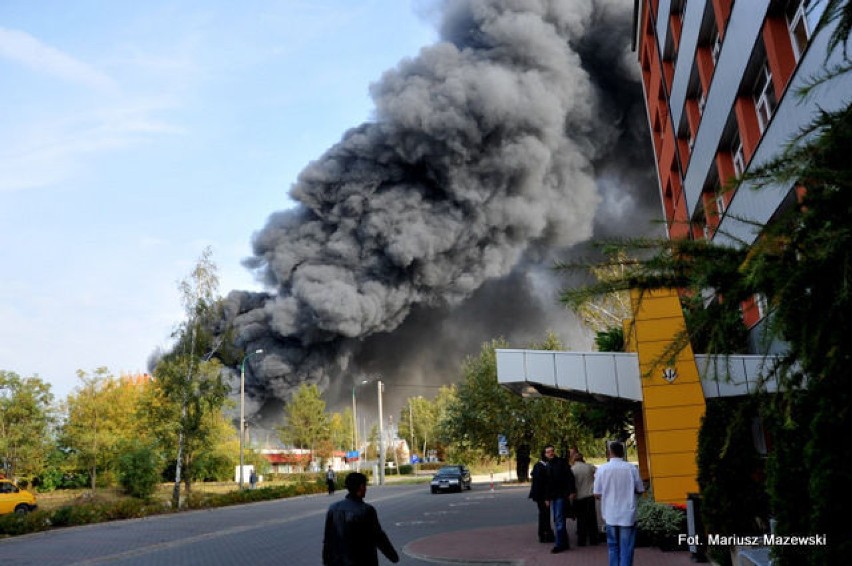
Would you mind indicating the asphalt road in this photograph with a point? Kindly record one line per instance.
(285, 532)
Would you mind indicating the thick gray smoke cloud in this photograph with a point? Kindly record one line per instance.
(434, 226)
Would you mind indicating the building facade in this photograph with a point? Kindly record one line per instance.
(721, 81)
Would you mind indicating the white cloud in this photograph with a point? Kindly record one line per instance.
(53, 150)
(25, 49)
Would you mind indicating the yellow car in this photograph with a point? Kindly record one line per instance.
(14, 499)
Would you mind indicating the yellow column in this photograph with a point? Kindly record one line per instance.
(673, 400)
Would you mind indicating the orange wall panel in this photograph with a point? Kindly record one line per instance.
(725, 166)
(779, 53)
(704, 61)
(747, 122)
(722, 11)
(751, 314)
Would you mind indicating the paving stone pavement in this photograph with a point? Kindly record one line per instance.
(519, 546)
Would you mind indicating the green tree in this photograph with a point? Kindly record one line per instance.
(139, 470)
(418, 421)
(99, 418)
(189, 377)
(606, 311)
(305, 421)
(373, 443)
(25, 421)
(481, 409)
(186, 416)
(340, 429)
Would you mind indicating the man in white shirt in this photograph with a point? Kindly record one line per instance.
(617, 483)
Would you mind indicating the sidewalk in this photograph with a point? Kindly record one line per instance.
(518, 545)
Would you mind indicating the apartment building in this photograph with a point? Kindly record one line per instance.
(721, 80)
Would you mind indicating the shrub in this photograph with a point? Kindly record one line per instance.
(730, 472)
(139, 471)
(96, 512)
(72, 515)
(660, 523)
(14, 524)
(406, 469)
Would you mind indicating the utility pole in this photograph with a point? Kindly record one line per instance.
(381, 437)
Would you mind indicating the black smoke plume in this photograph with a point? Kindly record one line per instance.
(433, 227)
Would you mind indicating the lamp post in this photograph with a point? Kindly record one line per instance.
(243, 407)
(381, 437)
(355, 422)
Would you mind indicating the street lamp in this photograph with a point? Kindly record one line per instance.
(355, 421)
(381, 437)
(243, 407)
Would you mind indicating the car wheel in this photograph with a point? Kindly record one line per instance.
(434, 490)
(22, 509)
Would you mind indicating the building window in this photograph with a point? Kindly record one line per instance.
(716, 45)
(720, 202)
(797, 23)
(764, 97)
(762, 304)
(738, 156)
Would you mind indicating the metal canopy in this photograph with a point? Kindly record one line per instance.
(572, 375)
(601, 376)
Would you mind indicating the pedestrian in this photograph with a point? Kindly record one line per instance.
(522, 462)
(352, 529)
(584, 505)
(252, 479)
(330, 478)
(538, 493)
(572, 455)
(561, 491)
(617, 483)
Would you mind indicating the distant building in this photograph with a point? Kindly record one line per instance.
(297, 460)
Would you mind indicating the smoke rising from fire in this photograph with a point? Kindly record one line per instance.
(433, 227)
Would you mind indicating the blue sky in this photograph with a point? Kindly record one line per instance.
(134, 134)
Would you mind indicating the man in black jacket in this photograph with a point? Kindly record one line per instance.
(538, 493)
(561, 490)
(352, 529)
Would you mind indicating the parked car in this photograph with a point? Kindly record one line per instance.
(451, 478)
(13, 499)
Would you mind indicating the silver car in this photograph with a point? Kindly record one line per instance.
(451, 478)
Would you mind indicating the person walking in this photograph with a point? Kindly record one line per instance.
(617, 483)
(252, 479)
(538, 493)
(352, 531)
(561, 490)
(330, 478)
(584, 505)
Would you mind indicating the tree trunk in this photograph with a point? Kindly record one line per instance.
(187, 479)
(176, 489)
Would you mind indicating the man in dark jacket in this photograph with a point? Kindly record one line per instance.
(561, 490)
(538, 488)
(352, 529)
